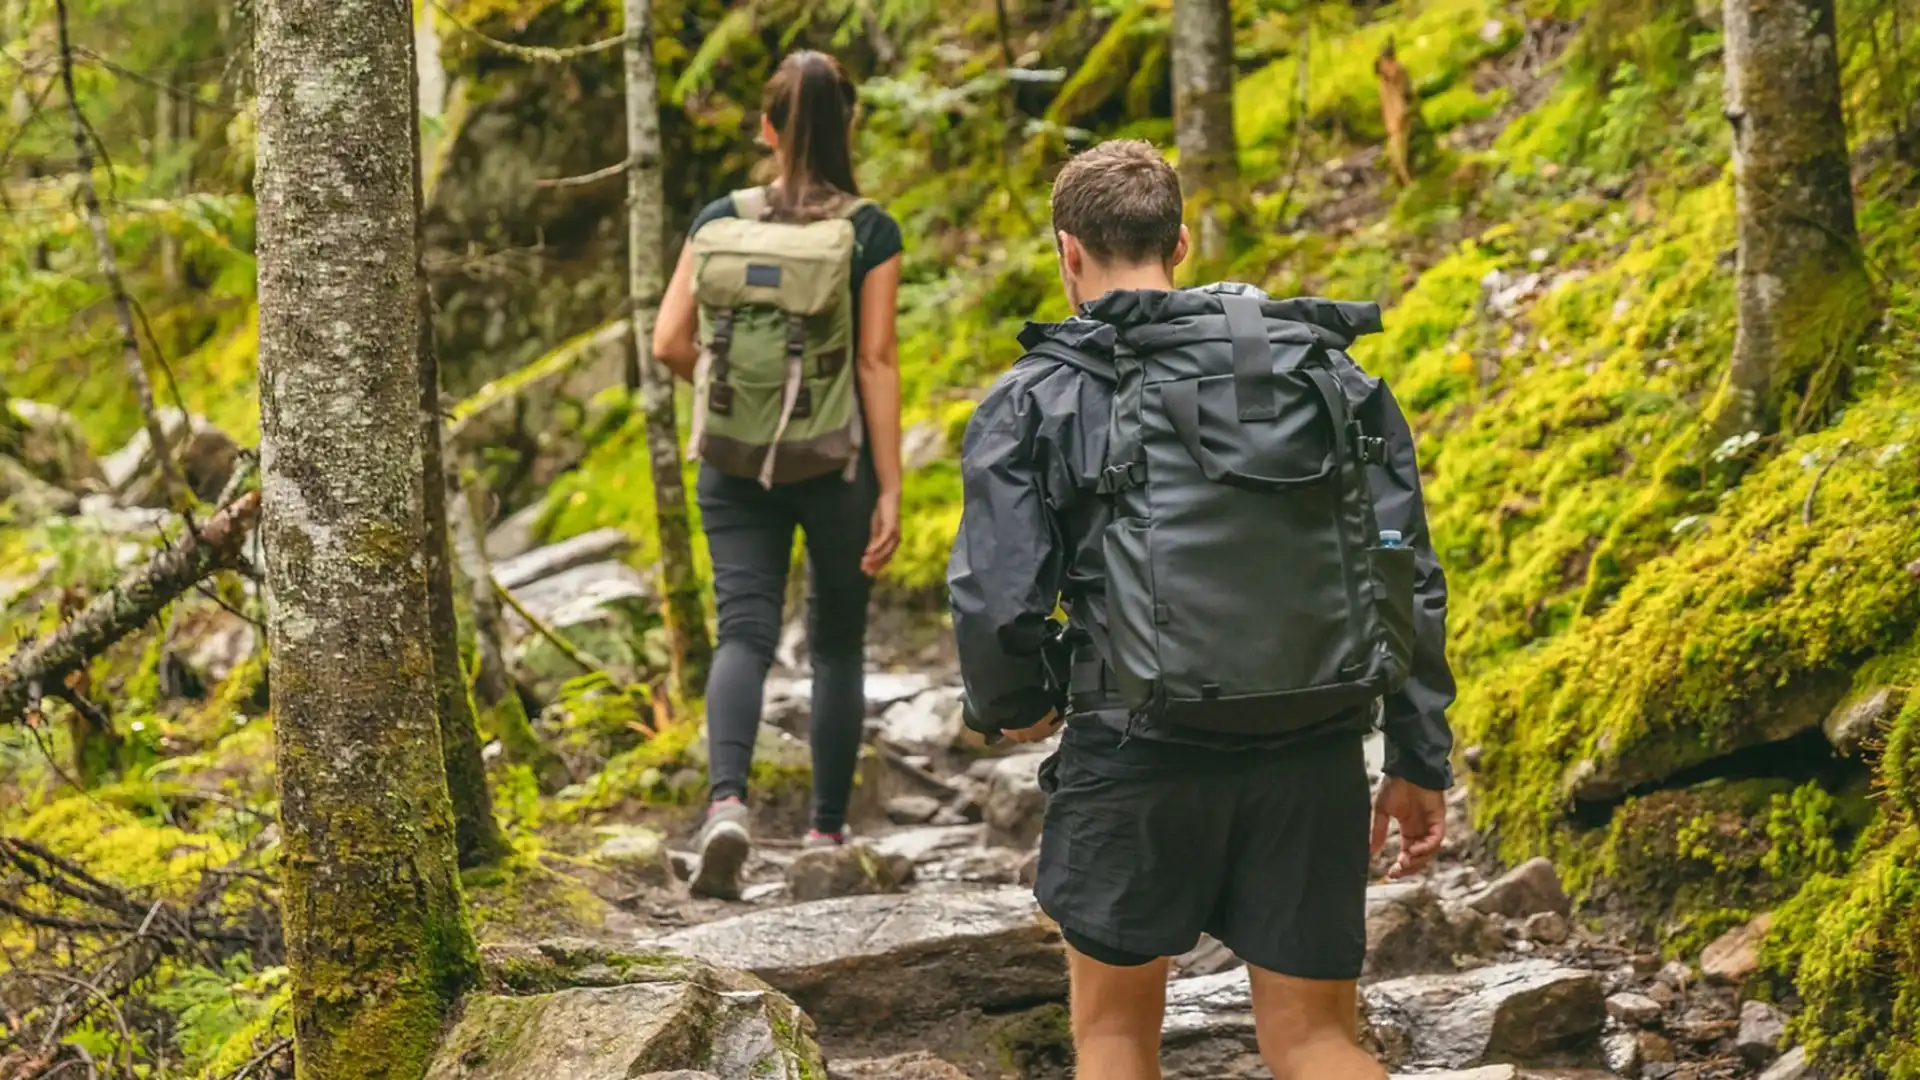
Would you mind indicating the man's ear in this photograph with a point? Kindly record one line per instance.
(1073, 257)
(1180, 247)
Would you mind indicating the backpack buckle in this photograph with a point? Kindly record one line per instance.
(1118, 478)
(1369, 449)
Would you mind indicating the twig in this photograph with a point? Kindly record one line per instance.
(595, 177)
(533, 53)
(567, 648)
(110, 268)
(135, 599)
(1806, 508)
(19, 133)
(277, 1047)
(180, 92)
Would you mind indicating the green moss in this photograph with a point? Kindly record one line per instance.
(520, 898)
(1035, 1041)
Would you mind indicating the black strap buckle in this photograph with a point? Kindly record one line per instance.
(1117, 478)
(1369, 449)
(796, 335)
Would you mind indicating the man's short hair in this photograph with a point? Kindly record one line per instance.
(1122, 201)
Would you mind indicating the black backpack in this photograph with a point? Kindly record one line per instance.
(1249, 587)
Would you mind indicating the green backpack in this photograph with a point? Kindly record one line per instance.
(774, 393)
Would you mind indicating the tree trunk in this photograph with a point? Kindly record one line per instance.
(377, 937)
(165, 126)
(646, 203)
(1801, 287)
(1202, 46)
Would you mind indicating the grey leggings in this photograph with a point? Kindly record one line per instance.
(750, 536)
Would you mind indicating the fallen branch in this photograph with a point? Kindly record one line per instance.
(1806, 508)
(534, 53)
(594, 177)
(559, 640)
(110, 269)
(40, 668)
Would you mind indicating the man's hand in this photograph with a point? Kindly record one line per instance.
(1422, 817)
(1038, 732)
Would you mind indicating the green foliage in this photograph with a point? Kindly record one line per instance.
(214, 1007)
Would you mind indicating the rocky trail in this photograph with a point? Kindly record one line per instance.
(918, 953)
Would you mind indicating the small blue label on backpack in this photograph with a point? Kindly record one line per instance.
(763, 275)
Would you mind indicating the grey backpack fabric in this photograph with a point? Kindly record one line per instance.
(1248, 587)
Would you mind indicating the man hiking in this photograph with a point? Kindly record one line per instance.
(1228, 510)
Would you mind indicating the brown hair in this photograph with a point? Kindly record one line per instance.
(1122, 201)
(811, 101)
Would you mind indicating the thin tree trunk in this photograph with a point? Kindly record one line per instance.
(1409, 139)
(165, 126)
(377, 936)
(493, 688)
(1801, 287)
(1202, 47)
(477, 834)
(646, 202)
(110, 269)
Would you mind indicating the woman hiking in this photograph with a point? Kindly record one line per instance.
(782, 311)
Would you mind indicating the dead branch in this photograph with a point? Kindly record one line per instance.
(110, 269)
(35, 670)
(532, 53)
(567, 648)
(595, 177)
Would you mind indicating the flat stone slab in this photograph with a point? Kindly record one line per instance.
(1530, 1011)
(862, 963)
(613, 1033)
(541, 563)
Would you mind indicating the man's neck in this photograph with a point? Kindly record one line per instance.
(1098, 283)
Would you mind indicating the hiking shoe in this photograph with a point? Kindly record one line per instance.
(817, 839)
(723, 847)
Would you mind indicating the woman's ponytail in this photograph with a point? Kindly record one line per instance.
(811, 102)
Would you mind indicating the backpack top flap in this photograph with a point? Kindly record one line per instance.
(801, 269)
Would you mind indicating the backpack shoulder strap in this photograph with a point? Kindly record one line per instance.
(854, 206)
(751, 203)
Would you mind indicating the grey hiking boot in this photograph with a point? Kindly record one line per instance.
(723, 847)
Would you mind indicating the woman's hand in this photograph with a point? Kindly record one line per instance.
(884, 539)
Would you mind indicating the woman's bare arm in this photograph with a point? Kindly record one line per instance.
(673, 331)
(879, 375)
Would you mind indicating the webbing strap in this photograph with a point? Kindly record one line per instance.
(796, 373)
(722, 343)
(1254, 392)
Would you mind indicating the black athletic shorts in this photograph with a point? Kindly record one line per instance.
(1265, 850)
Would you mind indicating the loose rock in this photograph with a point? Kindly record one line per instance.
(542, 563)
(1407, 932)
(53, 447)
(637, 853)
(31, 497)
(517, 534)
(1208, 1032)
(847, 870)
(1859, 716)
(884, 688)
(1622, 1051)
(1531, 887)
(928, 723)
(1525, 1010)
(867, 962)
(912, 809)
(1762, 1029)
(1015, 805)
(916, 1066)
(1736, 954)
(1634, 1010)
(1548, 928)
(1793, 1065)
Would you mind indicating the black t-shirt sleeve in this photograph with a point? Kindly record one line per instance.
(878, 237)
(721, 207)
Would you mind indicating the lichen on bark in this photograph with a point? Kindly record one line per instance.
(378, 940)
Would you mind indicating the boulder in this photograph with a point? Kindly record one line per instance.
(604, 609)
(53, 447)
(30, 498)
(1208, 1031)
(210, 642)
(865, 963)
(1793, 1065)
(636, 853)
(1407, 932)
(1209, 957)
(1763, 1028)
(788, 705)
(1735, 955)
(541, 563)
(612, 1033)
(1015, 805)
(846, 870)
(1525, 1011)
(1860, 715)
(1547, 928)
(541, 410)
(1531, 887)
(915, 1066)
(951, 853)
